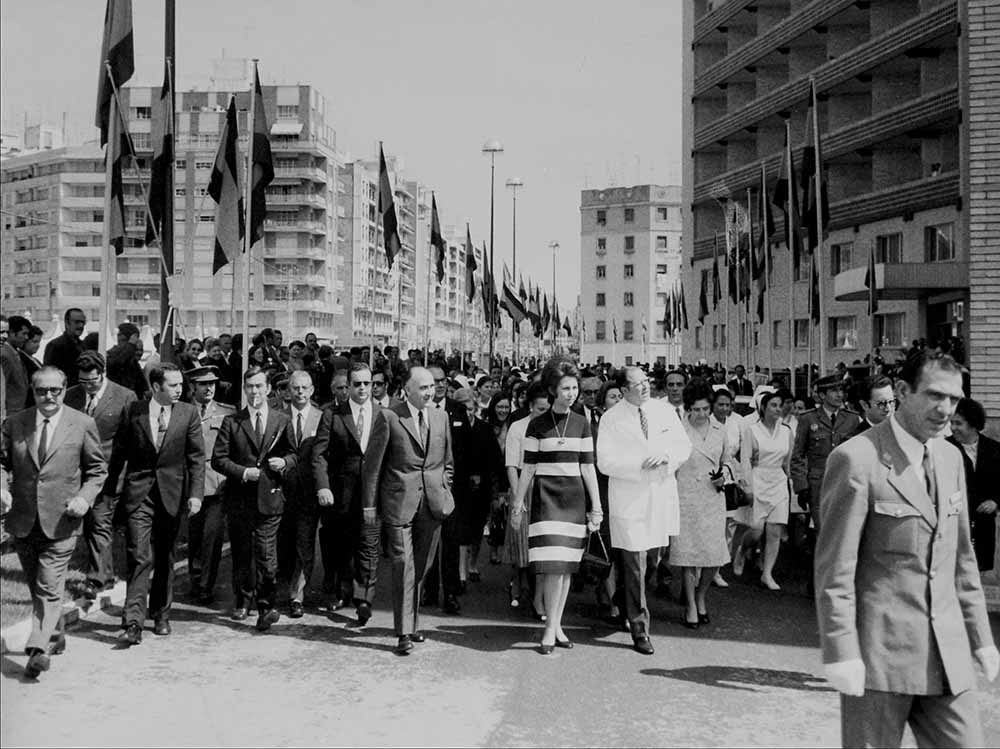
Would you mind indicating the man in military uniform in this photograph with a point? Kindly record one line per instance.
(205, 530)
(819, 431)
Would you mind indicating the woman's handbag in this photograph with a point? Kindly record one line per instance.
(596, 563)
(735, 496)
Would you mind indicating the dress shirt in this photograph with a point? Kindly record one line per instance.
(972, 450)
(154, 415)
(263, 417)
(98, 395)
(383, 401)
(912, 448)
(415, 413)
(366, 409)
(53, 425)
(439, 405)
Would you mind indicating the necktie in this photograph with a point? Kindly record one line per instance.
(91, 400)
(258, 428)
(680, 413)
(298, 430)
(644, 424)
(361, 424)
(929, 483)
(423, 428)
(204, 410)
(161, 427)
(43, 441)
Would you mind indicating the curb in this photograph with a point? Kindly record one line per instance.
(14, 637)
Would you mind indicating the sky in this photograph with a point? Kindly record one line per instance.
(581, 94)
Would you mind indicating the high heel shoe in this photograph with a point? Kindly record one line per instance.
(546, 649)
(535, 613)
(704, 618)
(690, 625)
(515, 601)
(564, 644)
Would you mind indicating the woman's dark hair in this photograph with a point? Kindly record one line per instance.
(765, 399)
(602, 394)
(696, 390)
(973, 412)
(491, 410)
(555, 369)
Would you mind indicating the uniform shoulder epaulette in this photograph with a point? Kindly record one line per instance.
(812, 410)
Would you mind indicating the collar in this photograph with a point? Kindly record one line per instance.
(155, 408)
(53, 420)
(100, 393)
(912, 448)
(357, 407)
(293, 410)
(262, 410)
(414, 411)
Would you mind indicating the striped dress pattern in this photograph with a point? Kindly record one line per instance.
(557, 445)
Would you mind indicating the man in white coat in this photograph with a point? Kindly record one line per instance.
(640, 446)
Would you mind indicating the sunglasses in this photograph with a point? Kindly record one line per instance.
(54, 391)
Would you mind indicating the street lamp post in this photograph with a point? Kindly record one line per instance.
(554, 245)
(515, 184)
(492, 147)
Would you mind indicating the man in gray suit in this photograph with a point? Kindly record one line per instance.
(108, 404)
(902, 615)
(409, 485)
(14, 377)
(53, 454)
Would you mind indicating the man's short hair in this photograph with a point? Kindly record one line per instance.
(47, 369)
(253, 371)
(17, 323)
(91, 361)
(127, 330)
(358, 366)
(68, 313)
(158, 372)
(680, 372)
(915, 365)
(875, 382)
(973, 412)
(35, 332)
(225, 335)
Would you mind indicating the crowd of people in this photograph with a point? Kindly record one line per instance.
(617, 478)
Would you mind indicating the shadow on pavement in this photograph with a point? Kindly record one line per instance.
(743, 679)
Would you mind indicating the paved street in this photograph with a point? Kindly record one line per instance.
(751, 678)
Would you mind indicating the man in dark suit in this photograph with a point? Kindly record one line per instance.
(164, 452)
(339, 458)
(63, 350)
(902, 615)
(53, 457)
(409, 485)
(875, 401)
(16, 381)
(253, 450)
(108, 404)
(740, 384)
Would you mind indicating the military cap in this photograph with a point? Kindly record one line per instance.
(202, 374)
(829, 382)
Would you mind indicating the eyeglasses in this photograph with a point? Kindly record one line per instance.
(90, 380)
(438, 380)
(378, 382)
(363, 383)
(886, 405)
(54, 391)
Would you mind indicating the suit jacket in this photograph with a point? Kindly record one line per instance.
(176, 470)
(16, 382)
(339, 463)
(982, 483)
(110, 415)
(299, 483)
(74, 466)
(62, 352)
(896, 578)
(478, 466)
(740, 388)
(404, 474)
(815, 437)
(211, 423)
(236, 449)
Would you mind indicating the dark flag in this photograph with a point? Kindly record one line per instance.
(522, 293)
(871, 283)
(117, 152)
(224, 188)
(731, 267)
(764, 259)
(746, 255)
(117, 50)
(566, 327)
(683, 307)
(511, 302)
(716, 281)
(534, 309)
(162, 136)
(703, 299)
(556, 321)
(761, 288)
(470, 265)
(546, 317)
(668, 314)
(786, 197)
(436, 239)
(262, 173)
(814, 290)
(387, 208)
(812, 164)
(614, 329)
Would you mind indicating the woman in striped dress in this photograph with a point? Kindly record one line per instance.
(559, 456)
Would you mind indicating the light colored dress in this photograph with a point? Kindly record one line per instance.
(765, 456)
(701, 541)
(515, 542)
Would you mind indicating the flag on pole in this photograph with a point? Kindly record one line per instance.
(387, 209)
(511, 302)
(556, 320)
(812, 172)
(682, 302)
(162, 136)
(703, 299)
(814, 290)
(262, 173)
(523, 294)
(566, 327)
(546, 316)
(644, 331)
(716, 281)
(668, 314)
(470, 265)
(534, 310)
(766, 232)
(786, 197)
(436, 239)
(116, 152)
(746, 254)
(224, 188)
(871, 282)
(614, 329)
(116, 50)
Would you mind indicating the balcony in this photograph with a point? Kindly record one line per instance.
(862, 58)
(305, 225)
(902, 281)
(92, 202)
(299, 173)
(296, 199)
(718, 17)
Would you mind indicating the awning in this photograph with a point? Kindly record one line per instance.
(286, 128)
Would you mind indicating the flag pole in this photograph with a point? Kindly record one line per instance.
(790, 244)
(109, 275)
(818, 189)
(167, 225)
(378, 221)
(248, 207)
(768, 327)
(427, 305)
(727, 329)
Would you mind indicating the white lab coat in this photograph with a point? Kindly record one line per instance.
(642, 504)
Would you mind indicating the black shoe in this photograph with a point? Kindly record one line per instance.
(704, 618)
(266, 618)
(642, 644)
(295, 610)
(418, 637)
(364, 613)
(462, 587)
(451, 605)
(538, 616)
(37, 662)
(474, 577)
(162, 628)
(564, 644)
(57, 645)
(132, 634)
(335, 604)
(240, 613)
(546, 649)
(404, 645)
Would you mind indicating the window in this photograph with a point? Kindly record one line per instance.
(628, 299)
(181, 164)
(629, 215)
(180, 192)
(938, 243)
(661, 243)
(629, 270)
(602, 217)
(629, 244)
(602, 271)
(142, 113)
(889, 248)
(628, 361)
(722, 336)
(802, 333)
(602, 244)
(141, 141)
(801, 273)
(207, 218)
(600, 299)
(889, 329)
(661, 269)
(629, 330)
(661, 213)
(600, 330)
(203, 165)
(778, 334)
(288, 111)
(843, 332)
(840, 257)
